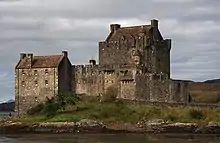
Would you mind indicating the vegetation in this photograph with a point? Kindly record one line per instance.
(53, 105)
(62, 110)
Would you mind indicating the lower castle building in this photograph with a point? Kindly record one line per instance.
(134, 61)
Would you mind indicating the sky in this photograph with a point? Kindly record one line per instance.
(45, 27)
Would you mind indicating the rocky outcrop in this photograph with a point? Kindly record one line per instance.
(91, 126)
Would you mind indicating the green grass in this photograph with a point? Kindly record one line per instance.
(129, 113)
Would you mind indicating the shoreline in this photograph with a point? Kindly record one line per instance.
(88, 126)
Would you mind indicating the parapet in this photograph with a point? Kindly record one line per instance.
(86, 69)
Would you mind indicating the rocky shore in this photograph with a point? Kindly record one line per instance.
(90, 126)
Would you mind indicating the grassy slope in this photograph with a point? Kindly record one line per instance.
(124, 112)
(205, 92)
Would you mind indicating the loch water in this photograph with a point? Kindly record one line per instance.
(107, 138)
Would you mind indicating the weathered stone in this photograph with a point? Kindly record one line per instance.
(40, 77)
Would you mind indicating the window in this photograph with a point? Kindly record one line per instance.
(36, 99)
(23, 83)
(35, 72)
(22, 72)
(46, 82)
(46, 71)
(35, 82)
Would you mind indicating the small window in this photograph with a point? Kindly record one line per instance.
(22, 71)
(35, 82)
(46, 71)
(36, 99)
(23, 83)
(35, 72)
(46, 82)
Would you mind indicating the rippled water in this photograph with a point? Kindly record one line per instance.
(70, 138)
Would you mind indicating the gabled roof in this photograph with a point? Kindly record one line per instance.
(51, 61)
(129, 32)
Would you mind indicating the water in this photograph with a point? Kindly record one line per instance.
(71, 138)
(4, 115)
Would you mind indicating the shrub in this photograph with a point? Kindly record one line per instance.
(170, 117)
(36, 110)
(52, 105)
(196, 114)
(65, 99)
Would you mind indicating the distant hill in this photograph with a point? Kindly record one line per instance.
(7, 106)
(213, 81)
(9, 101)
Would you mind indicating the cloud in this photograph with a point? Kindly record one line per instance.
(50, 26)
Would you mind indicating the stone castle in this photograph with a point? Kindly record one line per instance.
(135, 61)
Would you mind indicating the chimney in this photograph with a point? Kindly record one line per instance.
(92, 62)
(169, 43)
(22, 56)
(65, 53)
(154, 23)
(114, 27)
(29, 59)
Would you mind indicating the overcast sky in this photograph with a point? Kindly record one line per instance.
(50, 26)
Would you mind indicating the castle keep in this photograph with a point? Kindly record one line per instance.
(134, 61)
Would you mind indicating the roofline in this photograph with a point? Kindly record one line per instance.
(16, 67)
(135, 26)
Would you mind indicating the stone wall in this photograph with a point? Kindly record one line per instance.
(65, 75)
(88, 80)
(143, 87)
(127, 90)
(179, 91)
(152, 87)
(33, 86)
(160, 89)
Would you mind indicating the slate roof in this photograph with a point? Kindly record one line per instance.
(129, 32)
(51, 61)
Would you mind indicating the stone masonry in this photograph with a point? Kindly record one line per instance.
(40, 77)
(135, 61)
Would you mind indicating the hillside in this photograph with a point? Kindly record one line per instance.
(213, 81)
(8, 106)
(206, 92)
